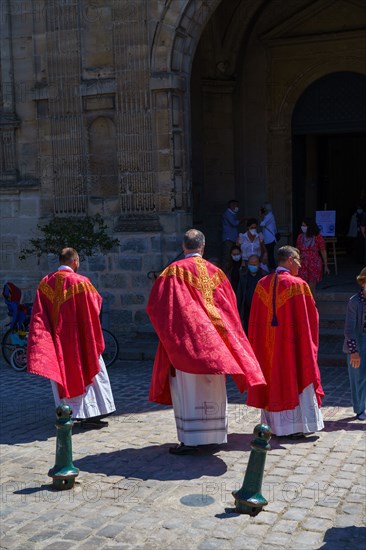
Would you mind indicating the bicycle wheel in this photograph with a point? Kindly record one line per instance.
(18, 359)
(111, 350)
(12, 339)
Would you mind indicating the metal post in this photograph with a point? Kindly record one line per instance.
(64, 472)
(248, 499)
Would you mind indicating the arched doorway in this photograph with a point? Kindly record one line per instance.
(329, 144)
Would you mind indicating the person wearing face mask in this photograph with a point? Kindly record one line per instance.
(230, 230)
(355, 346)
(247, 283)
(269, 228)
(234, 266)
(284, 333)
(312, 251)
(251, 242)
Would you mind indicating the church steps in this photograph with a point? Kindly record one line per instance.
(332, 312)
(142, 345)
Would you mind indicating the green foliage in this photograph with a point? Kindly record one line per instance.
(88, 235)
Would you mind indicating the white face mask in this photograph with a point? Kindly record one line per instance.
(253, 231)
(236, 257)
(359, 211)
(236, 209)
(304, 228)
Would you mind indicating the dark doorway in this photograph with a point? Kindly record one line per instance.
(329, 173)
(329, 144)
(342, 175)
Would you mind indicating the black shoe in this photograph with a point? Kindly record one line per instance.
(298, 435)
(183, 450)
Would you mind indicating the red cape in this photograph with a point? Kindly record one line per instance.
(287, 352)
(65, 336)
(193, 310)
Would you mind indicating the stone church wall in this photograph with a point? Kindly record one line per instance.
(96, 100)
(77, 138)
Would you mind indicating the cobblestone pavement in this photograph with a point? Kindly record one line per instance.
(132, 494)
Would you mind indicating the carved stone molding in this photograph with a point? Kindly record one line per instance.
(9, 121)
(136, 223)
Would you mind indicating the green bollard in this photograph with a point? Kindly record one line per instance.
(249, 500)
(64, 472)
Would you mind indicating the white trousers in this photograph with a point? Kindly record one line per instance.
(96, 401)
(200, 408)
(305, 418)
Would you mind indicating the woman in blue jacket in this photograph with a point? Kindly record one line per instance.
(355, 346)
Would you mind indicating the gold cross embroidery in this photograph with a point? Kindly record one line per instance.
(206, 285)
(59, 295)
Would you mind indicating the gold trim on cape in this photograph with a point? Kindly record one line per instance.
(206, 285)
(59, 295)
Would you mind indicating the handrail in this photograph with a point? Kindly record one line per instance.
(155, 274)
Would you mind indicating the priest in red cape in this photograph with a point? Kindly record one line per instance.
(284, 333)
(65, 342)
(193, 310)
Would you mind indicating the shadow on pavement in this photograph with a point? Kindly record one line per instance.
(228, 514)
(25, 431)
(349, 424)
(153, 462)
(238, 442)
(277, 440)
(344, 538)
(36, 489)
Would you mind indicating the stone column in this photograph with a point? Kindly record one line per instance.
(279, 177)
(168, 107)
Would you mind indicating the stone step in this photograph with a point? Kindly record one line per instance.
(326, 308)
(332, 307)
(332, 360)
(330, 332)
(329, 321)
(326, 345)
(330, 296)
(143, 347)
(331, 339)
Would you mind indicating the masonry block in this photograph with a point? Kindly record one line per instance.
(120, 317)
(141, 318)
(129, 263)
(97, 262)
(114, 280)
(132, 299)
(133, 245)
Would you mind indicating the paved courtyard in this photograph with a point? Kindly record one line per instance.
(132, 494)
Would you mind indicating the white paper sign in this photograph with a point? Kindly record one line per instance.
(326, 221)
